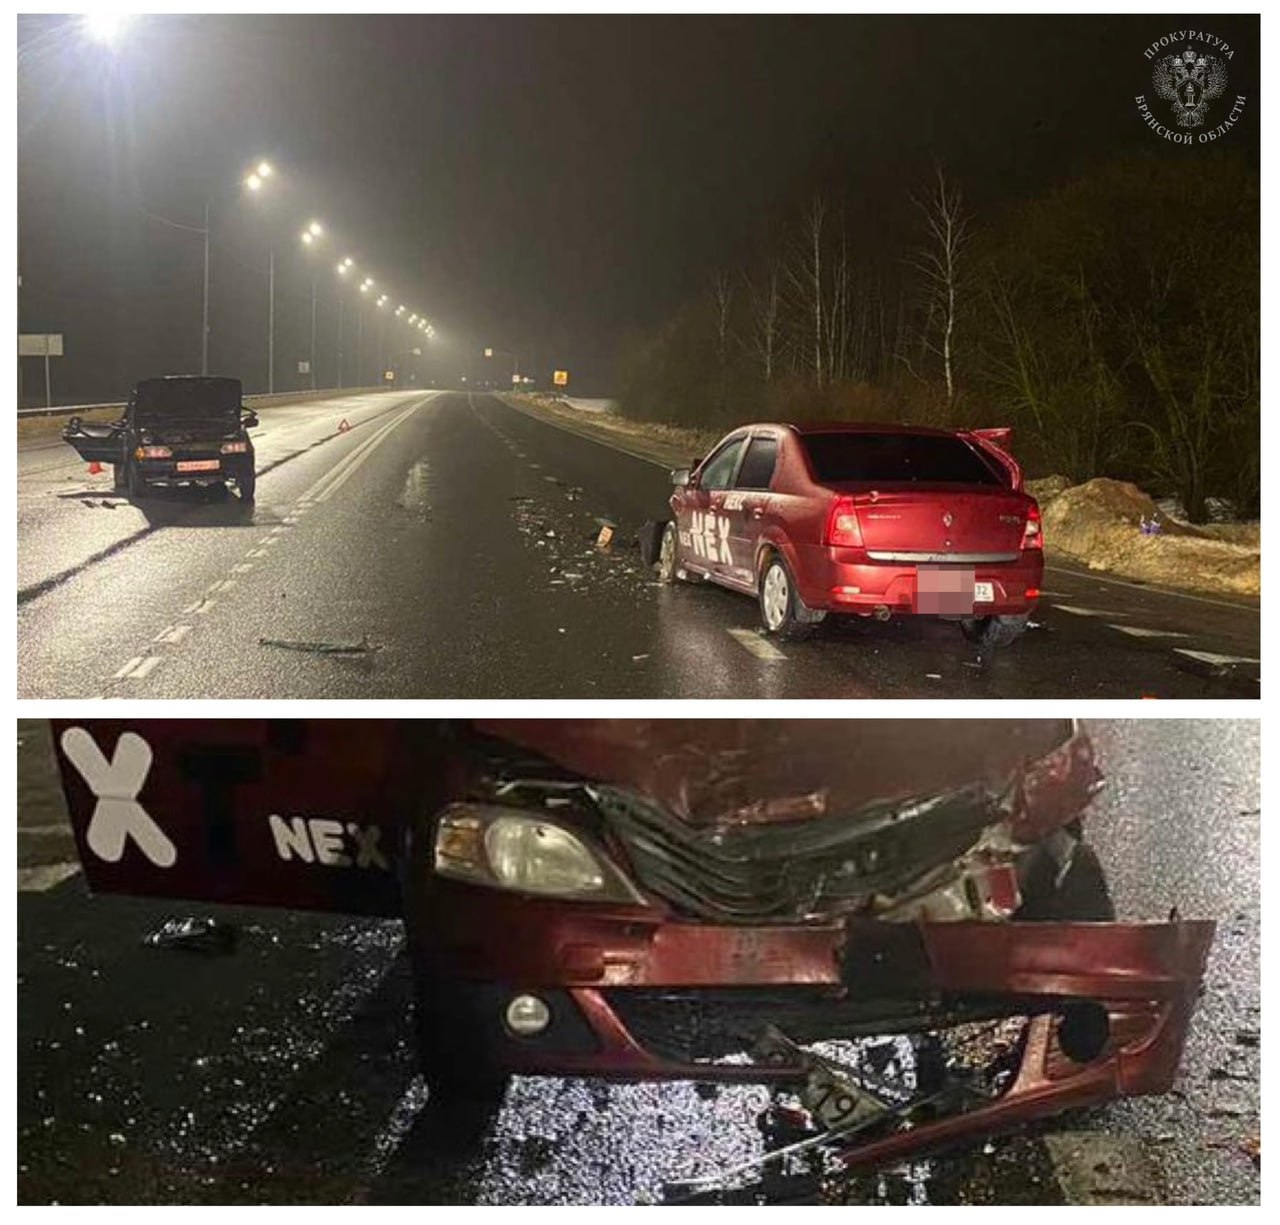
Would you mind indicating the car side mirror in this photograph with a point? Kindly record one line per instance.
(680, 477)
(249, 419)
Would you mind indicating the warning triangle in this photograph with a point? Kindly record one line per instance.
(343, 426)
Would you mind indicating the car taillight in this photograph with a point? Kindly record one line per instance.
(234, 448)
(153, 453)
(843, 528)
(1032, 538)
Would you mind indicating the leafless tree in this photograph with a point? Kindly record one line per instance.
(765, 298)
(804, 277)
(938, 262)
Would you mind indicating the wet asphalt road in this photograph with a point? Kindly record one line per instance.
(445, 542)
(284, 1072)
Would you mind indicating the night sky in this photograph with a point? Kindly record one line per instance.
(541, 185)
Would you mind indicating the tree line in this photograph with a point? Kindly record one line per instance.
(1113, 321)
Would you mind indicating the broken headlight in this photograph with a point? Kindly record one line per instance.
(512, 848)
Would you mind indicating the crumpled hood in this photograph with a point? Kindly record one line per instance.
(727, 772)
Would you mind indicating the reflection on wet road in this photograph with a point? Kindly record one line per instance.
(284, 1072)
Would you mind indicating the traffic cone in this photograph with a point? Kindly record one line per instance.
(95, 468)
(343, 426)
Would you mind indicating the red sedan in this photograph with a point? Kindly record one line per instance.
(870, 519)
(684, 899)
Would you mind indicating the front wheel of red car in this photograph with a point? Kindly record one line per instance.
(459, 1069)
(782, 611)
(991, 632)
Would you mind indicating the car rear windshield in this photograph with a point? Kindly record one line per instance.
(196, 399)
(854, 455)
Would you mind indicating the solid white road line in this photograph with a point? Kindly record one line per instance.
(337, 476)
(759, 646)
(45, 876)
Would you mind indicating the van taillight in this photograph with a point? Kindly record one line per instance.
(1032, 537)
(843, 529)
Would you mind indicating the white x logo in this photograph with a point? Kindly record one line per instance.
(116, 783)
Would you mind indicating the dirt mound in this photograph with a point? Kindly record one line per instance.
(1100, 524)
(1045, 488)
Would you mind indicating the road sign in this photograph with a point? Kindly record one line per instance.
(304, 367)
(46, 345)
(515, 378)
(389, 375)
(561, 378)
(488, 353)
(37, 344)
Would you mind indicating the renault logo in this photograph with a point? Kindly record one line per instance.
(947, 519)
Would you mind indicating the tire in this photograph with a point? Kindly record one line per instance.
(454, 1060)
(134, 483)
(992, 632)
(1080, 896)
(668, 553)
(247, 483)
(782, 612)
(649, 542)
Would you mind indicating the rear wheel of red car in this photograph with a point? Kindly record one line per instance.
(1080, 895)
(782, 611)
(994, 631)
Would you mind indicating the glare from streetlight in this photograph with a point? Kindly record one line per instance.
(344, 268)
(264, 170)
(308, 237)
(399, 311)
(382, 301)
(348, 262)
(104, 27)
(365, 287)
(315, 229)
(413, 318)
(253, 182)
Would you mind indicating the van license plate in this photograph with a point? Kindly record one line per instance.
(984, 593)
(198, 465)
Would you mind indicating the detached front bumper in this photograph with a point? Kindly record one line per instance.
(631, 998)
(849, 580)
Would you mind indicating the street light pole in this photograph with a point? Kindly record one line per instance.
(312, 363)
(204, 321)
(271, 320)
(359, 341)
(341, 308)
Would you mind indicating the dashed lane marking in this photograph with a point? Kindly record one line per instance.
(1209, 657)
(44, 877)
(243, 568)
(760, 647)
(1141, 631)
(173, 633)
(1085, 612)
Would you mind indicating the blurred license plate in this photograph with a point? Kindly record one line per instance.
(945, 589)
(198, 465)
(984, 593)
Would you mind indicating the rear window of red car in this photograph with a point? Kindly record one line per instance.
(886, 458)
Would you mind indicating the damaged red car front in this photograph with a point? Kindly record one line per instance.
(710, 899)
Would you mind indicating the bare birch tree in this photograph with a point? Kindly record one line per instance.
(765, 298)
(938, 263)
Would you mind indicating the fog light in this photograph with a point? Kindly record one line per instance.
(527, 1015)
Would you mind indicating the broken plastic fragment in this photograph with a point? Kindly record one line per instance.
(194, 935)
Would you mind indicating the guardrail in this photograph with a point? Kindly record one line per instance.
(263, 400)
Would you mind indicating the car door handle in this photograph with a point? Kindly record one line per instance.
(757, 512)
